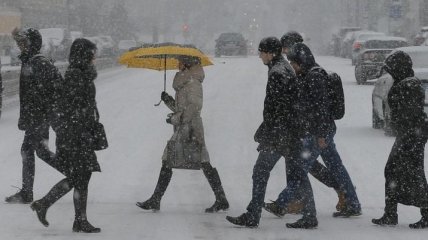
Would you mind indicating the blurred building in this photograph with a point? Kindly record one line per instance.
(395, 17)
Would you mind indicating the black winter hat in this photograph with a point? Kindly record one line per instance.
(399, 65)
(82, 52)
(33, 36)
(290, 38)
(302, 55)
(270, 45)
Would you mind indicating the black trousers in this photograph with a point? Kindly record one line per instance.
(35, 142)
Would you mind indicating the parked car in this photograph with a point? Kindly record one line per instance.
(56, 43)
(369, 63)
(380, 108)
(336, 39)
(376, 42)
(352, 39)
(230, 44)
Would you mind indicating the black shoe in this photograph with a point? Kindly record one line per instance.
(40, 211)
(222, 205)
(423, 223)
(84, 226)
(20, 197)
(150, 204)
(275, 209)
(347, 213)
(305, 223)
(386, 220)
(246, 220)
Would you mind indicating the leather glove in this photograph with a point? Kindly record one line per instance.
(168, 118)
(165, 96)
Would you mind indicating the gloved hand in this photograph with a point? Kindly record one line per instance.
(165, 96)
(168, 118)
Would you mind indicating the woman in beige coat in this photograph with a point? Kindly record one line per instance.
(186, 148)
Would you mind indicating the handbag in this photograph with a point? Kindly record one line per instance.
(99, 137)
(184, 153)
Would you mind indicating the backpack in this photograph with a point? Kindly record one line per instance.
(335, 94)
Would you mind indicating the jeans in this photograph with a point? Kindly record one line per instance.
(298, 166)
(334, 164)
(336, 171)
(261, 173)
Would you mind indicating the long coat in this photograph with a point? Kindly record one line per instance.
(405, 180)
(186, 110)
(76, 118)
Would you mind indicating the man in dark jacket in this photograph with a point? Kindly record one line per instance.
(276, 132)
(335, 174)
(405, 180)
(36, 88)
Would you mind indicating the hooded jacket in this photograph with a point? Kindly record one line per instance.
(38, 80)
(406, 97)
(312, 100)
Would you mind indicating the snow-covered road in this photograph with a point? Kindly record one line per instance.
(233, 93)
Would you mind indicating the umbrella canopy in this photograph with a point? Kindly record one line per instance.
(163, 56)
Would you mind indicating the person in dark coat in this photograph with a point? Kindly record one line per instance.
(36, 87)
(335, 174)
(76, 116)
(405, 180)
(277, 133)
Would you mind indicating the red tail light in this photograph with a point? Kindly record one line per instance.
(357, 45)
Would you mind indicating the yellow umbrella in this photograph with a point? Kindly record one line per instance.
(162, 56)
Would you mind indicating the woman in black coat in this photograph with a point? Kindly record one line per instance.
(76, 114)
(405, 180)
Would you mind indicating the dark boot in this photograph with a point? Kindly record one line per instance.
(245, 219)
(347, 212)
(81, 223)
(41, 206)
(20, 197)
(387, 219)
(307, 222)
(275, 209)
(153, 203)
(423, 223)
(294, 207)
(213, 178)
(41, 210)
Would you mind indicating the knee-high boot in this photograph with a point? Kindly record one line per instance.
(81, 224)
(213, 178)
(153, 203)
(41, 206)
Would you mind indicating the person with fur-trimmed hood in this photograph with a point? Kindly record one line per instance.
(38, 80)
(188, 134)
(405, 180)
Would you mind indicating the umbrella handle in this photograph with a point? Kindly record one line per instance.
(156, 105)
